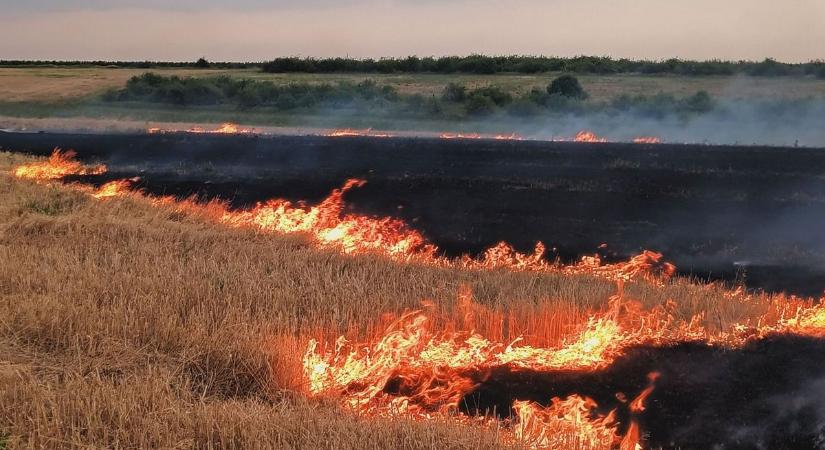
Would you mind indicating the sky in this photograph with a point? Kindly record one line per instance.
(257, 30)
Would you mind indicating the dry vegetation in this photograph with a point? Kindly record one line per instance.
(129, 326)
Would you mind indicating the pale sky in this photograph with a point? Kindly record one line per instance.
(256, 30)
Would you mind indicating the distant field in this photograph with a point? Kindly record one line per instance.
(71, 98)
(49, 84)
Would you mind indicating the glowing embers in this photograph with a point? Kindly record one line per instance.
(59, 165)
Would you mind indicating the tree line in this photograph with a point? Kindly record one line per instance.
(477, 64)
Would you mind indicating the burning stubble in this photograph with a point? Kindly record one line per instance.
(599, 382)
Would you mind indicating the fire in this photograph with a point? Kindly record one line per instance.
(117, 188)
(568, 423)
(225, 128)
(327, 226)
(59, 165)
(508, 137)
(460, 136)
(349, 132)
(588, 136)
(415, 370)
(498, 137)
(423, 365)
(647, 140)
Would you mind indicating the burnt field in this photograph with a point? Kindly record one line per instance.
(748, 213)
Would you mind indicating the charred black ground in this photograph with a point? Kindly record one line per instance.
(768, 394)
(752, 213)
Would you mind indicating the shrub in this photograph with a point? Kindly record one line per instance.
(699, 103)
(173, 90)
(454, 92)
(480, 105)
(494, 93)
(567, 86)
(202, 63)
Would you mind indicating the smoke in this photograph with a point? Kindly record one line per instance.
(730, 122)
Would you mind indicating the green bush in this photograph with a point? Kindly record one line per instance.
(178, 91)
(700, 102)
(480, 105)
(454, 92)
(567, 86)
(494, 93)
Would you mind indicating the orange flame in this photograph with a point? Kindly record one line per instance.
(588, 136)
(499, 137)
(59, 165)
(647, 140)
(225, 128)
(328, 226)
(432, 371)
(117, 188)
(460, 136)
(349, 132)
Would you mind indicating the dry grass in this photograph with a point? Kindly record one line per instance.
(128, 326)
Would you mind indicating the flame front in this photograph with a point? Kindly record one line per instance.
(411, 369)
(224, 128)
(59, 165)
(350, 132)
(647, 140)
(588, 136)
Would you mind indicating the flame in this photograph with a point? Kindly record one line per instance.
(565, 424)
(588, 136)
(647, 140)
(417, 371)
(349, 132)
(328, 226)
(117, 188)
(59, 165)
(460, 136)
(225, 128)
(499, 137)
(508, 137)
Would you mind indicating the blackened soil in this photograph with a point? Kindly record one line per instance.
(769, 394)
(753, 214)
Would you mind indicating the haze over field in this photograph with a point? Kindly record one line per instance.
(256, 29)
